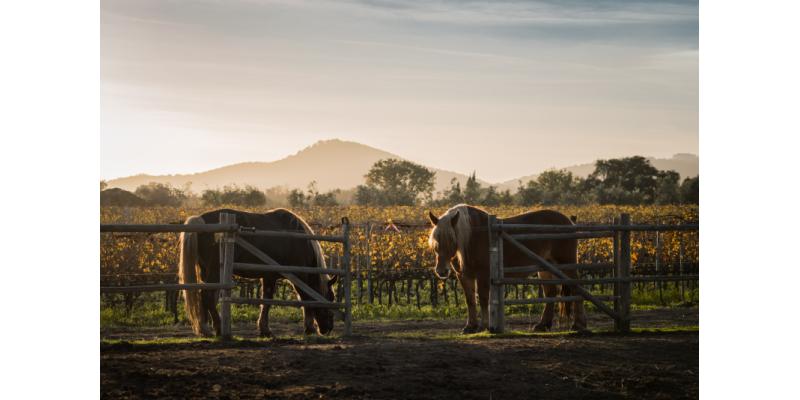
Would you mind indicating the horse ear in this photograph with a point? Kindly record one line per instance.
(433, 218)
(333, 280)
(454, 219)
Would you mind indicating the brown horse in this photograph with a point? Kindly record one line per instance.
(199, 262)
(462, 233)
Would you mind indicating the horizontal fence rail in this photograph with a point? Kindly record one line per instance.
(541, 300)
(562, 267)
(534, 281)
(555, 236)
(288, 303)
(165, 286)
(158, 228)
(594, 228)
(249, 267)
(244, 231)
(501, 234)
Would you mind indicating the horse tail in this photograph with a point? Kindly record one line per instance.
(187, 273)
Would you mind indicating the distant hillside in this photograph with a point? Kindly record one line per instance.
(688, 165)
(338, 164)
(332, 163)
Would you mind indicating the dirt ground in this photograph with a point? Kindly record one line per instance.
(410, 360)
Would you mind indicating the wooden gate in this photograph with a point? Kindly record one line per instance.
(620, 231)
(231, 235)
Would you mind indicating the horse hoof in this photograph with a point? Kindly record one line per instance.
(541, 328)
(469, 329)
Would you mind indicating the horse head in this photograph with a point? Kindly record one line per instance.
(447, 238)
(324, 316)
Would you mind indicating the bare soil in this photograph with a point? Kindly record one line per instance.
(409, 360)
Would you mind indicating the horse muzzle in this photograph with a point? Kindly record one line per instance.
(442, 274)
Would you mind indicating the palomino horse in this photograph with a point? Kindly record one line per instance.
(462, 233)
(199, 262)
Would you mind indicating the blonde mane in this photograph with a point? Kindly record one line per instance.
(445, 235)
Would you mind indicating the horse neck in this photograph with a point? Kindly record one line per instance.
(478, 240)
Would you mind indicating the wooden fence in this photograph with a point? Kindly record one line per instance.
(620, 231)
(233, 235)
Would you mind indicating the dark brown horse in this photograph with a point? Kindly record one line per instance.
(462, 233)
(199, 262)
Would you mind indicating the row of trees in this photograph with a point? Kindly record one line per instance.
(628, 181)
(312, 197)
(161, 194)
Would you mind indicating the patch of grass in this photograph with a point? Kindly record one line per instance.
(150, 312)
(164, 340)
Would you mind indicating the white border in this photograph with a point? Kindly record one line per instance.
(749, 114)
(49, 85)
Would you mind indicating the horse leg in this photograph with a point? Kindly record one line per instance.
(308, 322)
(579, 317)
(310, 326)
(546, 320)
(483, 297)
(209, 299)
(468, 284)
(267, 293)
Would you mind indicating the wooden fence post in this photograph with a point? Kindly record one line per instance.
(345, 266)
(496, 296)
(624, 272)
(226, 245)
(370, 293)
(615, 273)
(358, 277)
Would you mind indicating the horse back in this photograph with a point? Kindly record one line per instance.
(284, 250)
(561, 251)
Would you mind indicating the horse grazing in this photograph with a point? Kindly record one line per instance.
(200, 261)
(461, 233)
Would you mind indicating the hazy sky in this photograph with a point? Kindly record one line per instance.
(503, 88)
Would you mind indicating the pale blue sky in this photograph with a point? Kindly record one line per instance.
(503, 88)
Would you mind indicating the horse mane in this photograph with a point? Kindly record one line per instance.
(458, 237)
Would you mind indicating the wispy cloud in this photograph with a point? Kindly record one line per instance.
(601, 75)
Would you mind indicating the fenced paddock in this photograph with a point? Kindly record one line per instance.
(389, 270)
(620, 231)
(232, 234)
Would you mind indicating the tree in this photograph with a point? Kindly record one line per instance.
(296, 198)
(553, 187)
(472, 190)
(491, 198)
(160, 194)
(631, 180)
(690, 190)
(396, 182)
(506, 199)
(668, 191)
(366, 195)
(556, 186)
(120, 197)
(312, 197)
(529, 194)
(248, 196)
(453, 195)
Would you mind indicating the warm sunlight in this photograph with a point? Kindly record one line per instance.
(558, 84)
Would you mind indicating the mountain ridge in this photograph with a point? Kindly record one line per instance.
(348, 161)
